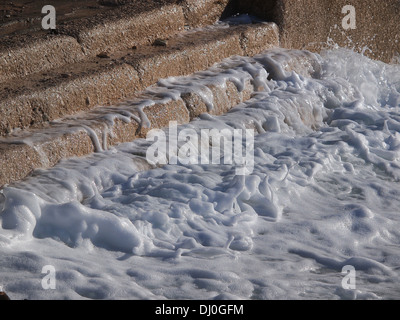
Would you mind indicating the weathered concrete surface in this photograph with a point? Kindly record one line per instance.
(38, 53)
(16, 162)
(124, 27)
(224, 97)
(205, 12)
(308, 24)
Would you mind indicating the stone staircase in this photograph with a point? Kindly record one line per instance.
(60, 88)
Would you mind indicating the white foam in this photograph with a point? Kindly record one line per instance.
(323, 194)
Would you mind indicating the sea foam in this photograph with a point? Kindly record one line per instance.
(324, 193)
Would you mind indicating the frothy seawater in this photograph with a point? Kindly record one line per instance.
(324, 194)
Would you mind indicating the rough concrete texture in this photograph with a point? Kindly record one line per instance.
(58, 96)
(55, 146)
(35, 100)
(194, 52)
(258, 38)
(224, 97)
(308, 24)
(37, 54)
(160, 115)
(16, 162)
(200, 13)
(125, 27)
(304, 62)
(85, 29)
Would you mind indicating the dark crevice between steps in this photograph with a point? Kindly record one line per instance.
(266, 10)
